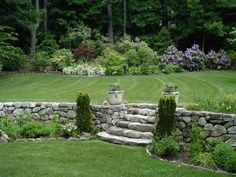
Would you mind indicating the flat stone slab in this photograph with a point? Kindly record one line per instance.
(136, 118)
(136, 126)
(123, 140)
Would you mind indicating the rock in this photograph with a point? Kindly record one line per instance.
(227, 118)
(220, 138)
(2, 114)
(36, 109)
(28, 110)
(186, 119)
(55, 106)
(195, 118)
(99, 114)
(9, 104)
(147, 135)
(132, 134)
(49, 111)
(11, 108)
(141, 127)
(35, 116)
(44, 117)
(151, 119)
(231, 142)
(18, 112)
(3, 137)
(234, 120)
(218, 130)
(204, 134)
(25, 105)
(17, 105)
(229, 124)
(186, 132)
(186, 113)
(63, 114)
(1, 106)
(202, 121)
(208, 126)
(42, 112)
(178, 132)
(232, 130)
(105, 103)
(181, 125)
(104, 126)
(71, 114)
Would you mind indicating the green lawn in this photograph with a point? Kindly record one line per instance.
(48, 87)
(86, 159)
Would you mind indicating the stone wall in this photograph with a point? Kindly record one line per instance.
(214, 125)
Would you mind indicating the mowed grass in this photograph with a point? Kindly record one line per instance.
(49, 87)
(86, 159)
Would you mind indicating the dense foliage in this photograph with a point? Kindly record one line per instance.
(83, 117)
(44, 28)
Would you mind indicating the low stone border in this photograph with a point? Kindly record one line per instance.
(185, 164)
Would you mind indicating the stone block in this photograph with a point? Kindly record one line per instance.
(218, 130)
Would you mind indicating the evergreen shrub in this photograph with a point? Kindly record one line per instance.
(166, 110)
(83, 117)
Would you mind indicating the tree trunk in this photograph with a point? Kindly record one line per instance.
(45, 21)
(34, 29)
(125, 16)
(110, 26)
(203, 42)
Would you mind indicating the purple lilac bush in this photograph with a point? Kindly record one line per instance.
(173, 56)
(218, 60)
(194, 59)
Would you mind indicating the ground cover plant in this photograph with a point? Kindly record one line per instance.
(48, 87)
(63, 158)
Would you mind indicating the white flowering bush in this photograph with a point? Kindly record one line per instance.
(68, 130)
(62, 58)
(85, 70)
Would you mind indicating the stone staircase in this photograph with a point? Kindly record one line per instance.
(135, 128)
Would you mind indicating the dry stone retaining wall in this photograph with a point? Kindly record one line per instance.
(217, 126)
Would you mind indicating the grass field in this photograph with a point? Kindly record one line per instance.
(48, 87)
(86, 159)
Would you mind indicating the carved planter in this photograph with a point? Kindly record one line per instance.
(115, 97)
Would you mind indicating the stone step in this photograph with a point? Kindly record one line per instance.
(142, 105)
(136, 126)
(129, 133)
(123, 140)
(145, 111)
(140, 118)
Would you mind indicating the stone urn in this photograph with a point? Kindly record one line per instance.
(115, 97)
(175, 94)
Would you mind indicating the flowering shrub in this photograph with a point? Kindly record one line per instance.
(173, 56)
(218, 60)
(83, 52)
(194, 59)
(85, 70)
(68, 130)
(61, 59)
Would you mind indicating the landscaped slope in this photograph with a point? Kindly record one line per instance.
(87, 159)
(48, 87)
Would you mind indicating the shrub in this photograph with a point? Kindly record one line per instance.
(173, 56)
(68, 130)
(33, 129)
(196, 145)
(112, 58)
(218, 60)
(12, 58)
(115, 70)
(194, 59)
(52, 127)
(145, 70)
(147, 55)
(61, 59)
(154, 69)
(166, 111)
(230, 164)
(10, 127)
(205, 160)
(83, 53)
(132, 57)
(48, 45)
(41, 60)
(85, 70)
(166, 146)
(134, 70)
(225, 157)
(83, 117)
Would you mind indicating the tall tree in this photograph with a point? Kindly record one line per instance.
(125, 16)
(45, 20)
(110, 26)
